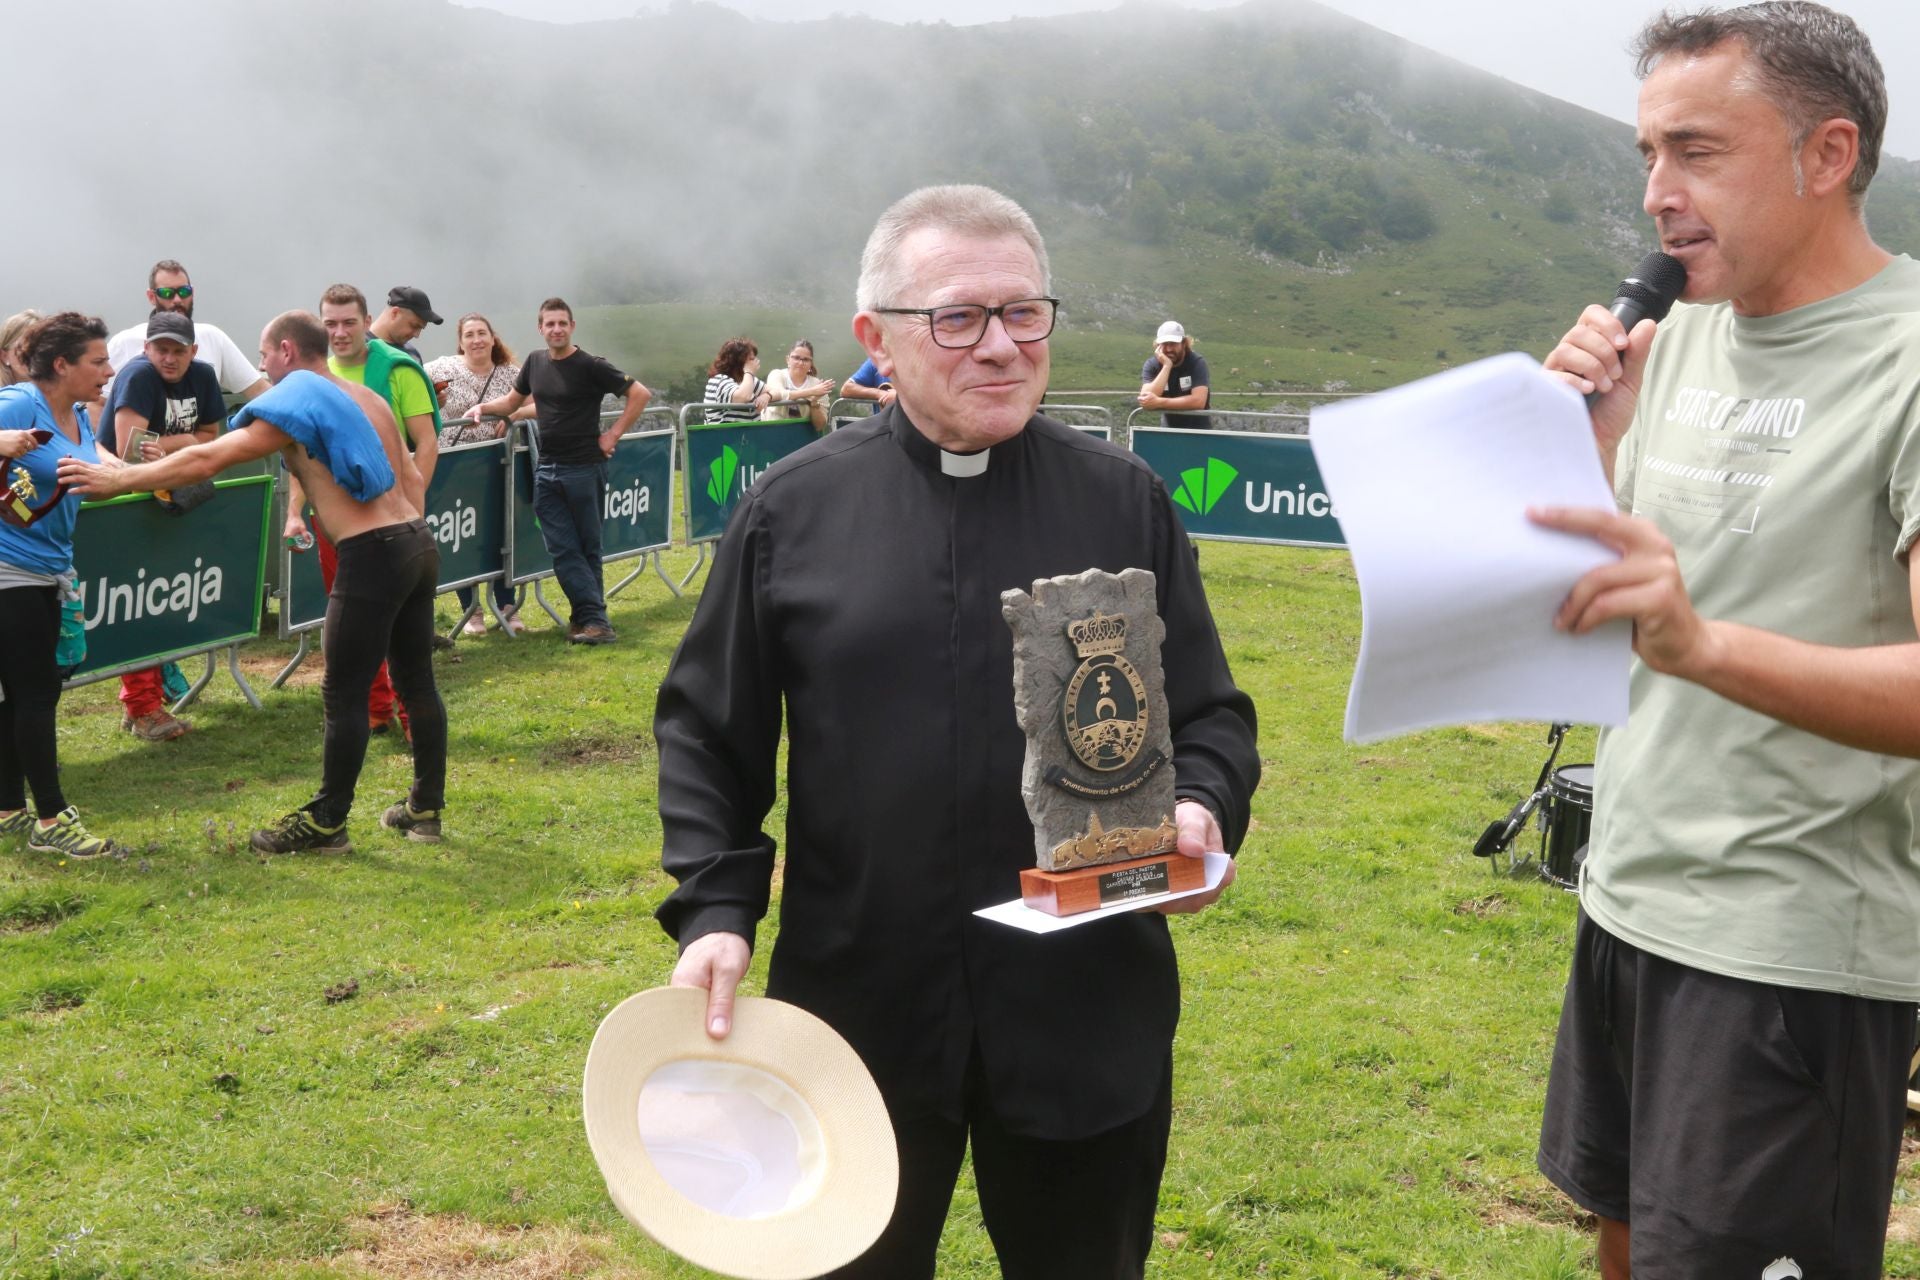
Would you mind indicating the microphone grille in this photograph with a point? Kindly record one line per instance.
(1655, 284)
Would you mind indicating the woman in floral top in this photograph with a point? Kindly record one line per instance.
(483, 370)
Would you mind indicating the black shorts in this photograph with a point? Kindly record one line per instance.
(1729, 1123)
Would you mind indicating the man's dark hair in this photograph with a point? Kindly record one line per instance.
(303, 329)
(733, 357)
(342, 295)
(1812, 63)
(165, 264)
(65, 336)
(554, 304)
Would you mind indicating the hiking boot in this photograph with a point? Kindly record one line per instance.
(16, 824)
(67, 837)
(415, 824)
(299, 833)
(156, 726)
(592, 633)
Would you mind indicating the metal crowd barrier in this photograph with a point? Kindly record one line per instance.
(480, 509)
(1243, 420)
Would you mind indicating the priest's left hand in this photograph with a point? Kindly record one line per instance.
(1199, 834)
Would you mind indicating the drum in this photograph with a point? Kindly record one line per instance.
(1566, 819)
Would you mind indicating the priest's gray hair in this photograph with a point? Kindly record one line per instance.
(974, 211)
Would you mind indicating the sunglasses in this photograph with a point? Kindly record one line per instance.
(166, 294)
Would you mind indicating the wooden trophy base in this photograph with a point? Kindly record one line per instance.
(1068, 893)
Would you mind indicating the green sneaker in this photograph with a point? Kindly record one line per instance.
(299, 833)
(16, 824)
(67, 837)
(424, 827)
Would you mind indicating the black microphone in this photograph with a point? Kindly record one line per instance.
(1648, 294)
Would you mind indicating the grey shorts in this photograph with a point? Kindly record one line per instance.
(1731, 1124)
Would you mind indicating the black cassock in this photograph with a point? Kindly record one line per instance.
(860, 583)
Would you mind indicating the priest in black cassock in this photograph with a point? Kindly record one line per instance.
(858, 587)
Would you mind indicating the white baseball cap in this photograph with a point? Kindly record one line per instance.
(1170, 332)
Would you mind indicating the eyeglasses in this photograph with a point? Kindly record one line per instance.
(1025, 320)
(165, 294)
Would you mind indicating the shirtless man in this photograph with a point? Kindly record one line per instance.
(340, 443)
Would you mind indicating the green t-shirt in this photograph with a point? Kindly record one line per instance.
(1781, 454)
(407, 391)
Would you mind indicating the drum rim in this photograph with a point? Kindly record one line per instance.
(1570, 788)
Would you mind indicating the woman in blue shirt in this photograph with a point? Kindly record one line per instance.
(41, 422)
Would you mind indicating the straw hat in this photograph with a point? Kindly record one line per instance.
(767, 1155)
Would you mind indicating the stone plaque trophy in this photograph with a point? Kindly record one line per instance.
(1090, 695)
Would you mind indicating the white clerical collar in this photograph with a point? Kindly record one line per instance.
(964, 464)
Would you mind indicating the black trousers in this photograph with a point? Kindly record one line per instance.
(29, 630)
(381, 610)
(1055, 1210)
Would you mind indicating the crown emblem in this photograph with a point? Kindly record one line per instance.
(1102, 633)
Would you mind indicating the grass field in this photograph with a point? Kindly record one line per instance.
(186, 1088)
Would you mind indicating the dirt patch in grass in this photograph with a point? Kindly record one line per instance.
(594, 749)
(1487, 904)
(1529, 1201)
(396, 1242)
(262, 668)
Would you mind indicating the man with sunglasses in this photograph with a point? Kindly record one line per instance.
(857, 590)
(169, 289)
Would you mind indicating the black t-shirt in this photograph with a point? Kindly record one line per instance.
(170, 408)
(1187, 377)
(567, 395)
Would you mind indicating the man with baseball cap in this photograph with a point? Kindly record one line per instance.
(166, 392)
(408, 313)
(169, 289)
(1175, 379)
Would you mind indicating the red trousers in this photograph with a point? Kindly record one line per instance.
(142, 693)
(382, 701)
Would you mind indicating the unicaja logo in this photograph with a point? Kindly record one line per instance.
(721, 475)
(1783, 1269)
(1202, 487)
(144, 597)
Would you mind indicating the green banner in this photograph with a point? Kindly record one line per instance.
(1242, 486)
(154, 586)
(303, 596)
(467, 511)
(724, 458)
(636, 515)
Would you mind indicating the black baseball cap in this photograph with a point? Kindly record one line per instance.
(175, 326)
(414, 300)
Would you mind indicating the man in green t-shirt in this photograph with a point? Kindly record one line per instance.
(1729, 1080)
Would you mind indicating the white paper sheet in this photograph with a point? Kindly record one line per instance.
(1458, 589)
(1021, 916)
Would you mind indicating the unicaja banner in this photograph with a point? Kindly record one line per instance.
(467, 512)
(155, 586)
(725, 458)
(1243, 486)
(636, 515)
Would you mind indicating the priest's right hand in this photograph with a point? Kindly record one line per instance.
(714, 962)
